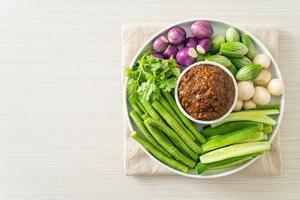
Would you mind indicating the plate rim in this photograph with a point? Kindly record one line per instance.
(264, 49)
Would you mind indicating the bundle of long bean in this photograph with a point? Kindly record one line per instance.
(164, 130)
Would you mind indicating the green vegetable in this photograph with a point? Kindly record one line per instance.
(232, 138)
(169, 108)
(266, 112)
(267, 129)
(248, 72)
(249, 44)
(176, 127)
(139, 123)
(184, 119)
(241, 62)
(216, 41)
(177, 141)
(145, 116)
(266, 137)
(149, 75)
(200, 57)
(151, 111)
(268, 106)
(232, 35)
(232, 69)
(158, 154)
(167, 144)
(260, 136)
(246, 116)
(142, 107)
(219, 59)
(234, 151)
(229, 127)
(137, 109)
(233, 49)
(200, 167)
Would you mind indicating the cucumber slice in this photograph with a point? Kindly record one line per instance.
(200, 167)
(266, 111)
(267, 129)
(248, 133)
(229, 127)
(253, 116)
(234, 151)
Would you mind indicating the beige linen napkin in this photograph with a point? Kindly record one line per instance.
(136, 162)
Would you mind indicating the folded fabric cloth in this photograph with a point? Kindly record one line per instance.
(136, 162)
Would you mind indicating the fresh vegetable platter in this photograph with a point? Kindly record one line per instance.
(200, 150)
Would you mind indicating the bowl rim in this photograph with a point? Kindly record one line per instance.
(235, 92)
(265, 50)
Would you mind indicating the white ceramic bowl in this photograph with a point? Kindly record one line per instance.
(219, 28)
(235, 92)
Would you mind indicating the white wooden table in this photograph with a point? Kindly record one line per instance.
(60, 100)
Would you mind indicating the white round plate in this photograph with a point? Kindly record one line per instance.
(219, 28)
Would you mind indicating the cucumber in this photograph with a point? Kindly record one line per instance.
(216, 42)
(268, 106)
(248, 72)
(266, 112)
(200, 167)
(267, 129)
(246, 116)
(233, 49)
(241, 62)
(249, 44)
(234, 151)
(219, 59)
(232, 35)
(229, 127)
(233, 70)
(238, 136)
(254, 138)
(200, 57)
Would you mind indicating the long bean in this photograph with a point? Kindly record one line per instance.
(158, 154)
(169, 108)
(176, 127)
(142, 107)
(145, 116)
(137, 108)
(184, 119)
(177, 141)
(139, 123)
(167, 144)
(151, 111)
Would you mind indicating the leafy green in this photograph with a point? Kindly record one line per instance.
(149, 75)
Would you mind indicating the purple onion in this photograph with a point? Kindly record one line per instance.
(160, 44)
(186, 56)
(171, 51)
(190, 42)
(203, 46)
(158, 55)
(202, 29)
(176, 35)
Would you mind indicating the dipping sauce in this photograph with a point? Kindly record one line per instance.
(206, 92)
